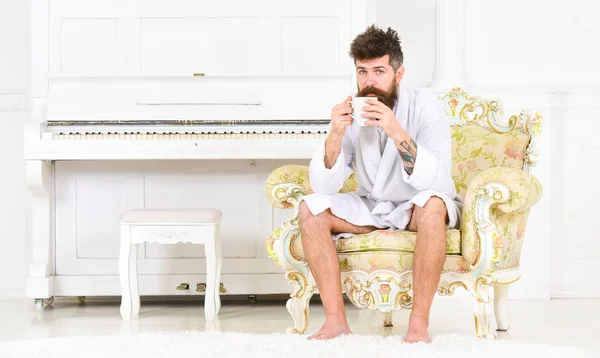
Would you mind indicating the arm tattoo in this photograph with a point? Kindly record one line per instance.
(408, 153)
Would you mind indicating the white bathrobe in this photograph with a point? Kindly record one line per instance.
(386, 194)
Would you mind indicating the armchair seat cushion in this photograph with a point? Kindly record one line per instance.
(395, 261)
(393, 240)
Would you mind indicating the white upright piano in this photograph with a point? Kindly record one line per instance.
(178, 104)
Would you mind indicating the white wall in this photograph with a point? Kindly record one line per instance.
(530, 53)
(14, 257)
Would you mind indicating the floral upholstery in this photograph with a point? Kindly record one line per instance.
(392, 240)
(398, 262)
(377, 241)
(510, 217)
(297, 174)
(475, 149)
(293, 174)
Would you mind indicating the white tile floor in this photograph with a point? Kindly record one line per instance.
(574, 322)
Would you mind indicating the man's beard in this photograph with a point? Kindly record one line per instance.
(389, 97)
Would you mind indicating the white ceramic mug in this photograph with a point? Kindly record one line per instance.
(357, 104)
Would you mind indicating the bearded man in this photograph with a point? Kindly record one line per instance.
(402, 161)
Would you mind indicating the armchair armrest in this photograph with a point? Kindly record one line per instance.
(495, 212)
(284, 188)
(286, 184)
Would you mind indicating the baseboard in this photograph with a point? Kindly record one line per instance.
(576, 294)
(166, 285)
(457, 294)
(12, 297)
(511, 297)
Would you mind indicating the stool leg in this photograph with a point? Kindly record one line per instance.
(133, 281)
(219, 259)
(211, 278)
(124, 274)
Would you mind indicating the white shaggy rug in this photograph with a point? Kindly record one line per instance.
(201, 344)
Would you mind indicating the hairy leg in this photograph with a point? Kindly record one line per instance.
(323, 261)
(430, 252)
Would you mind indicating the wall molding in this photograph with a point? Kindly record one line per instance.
(11, 102)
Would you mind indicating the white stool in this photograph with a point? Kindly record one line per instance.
(169, 227)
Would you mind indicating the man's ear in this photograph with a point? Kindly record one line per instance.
(399, 74)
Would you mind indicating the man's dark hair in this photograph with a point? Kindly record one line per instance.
(375, 43)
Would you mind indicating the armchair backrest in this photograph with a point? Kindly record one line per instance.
(480, 140)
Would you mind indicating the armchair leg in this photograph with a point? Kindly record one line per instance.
(388, 318)
(298, 304)
(500, 307)
(483, 309)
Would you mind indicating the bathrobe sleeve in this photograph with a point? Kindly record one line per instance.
(330, 181)
(432, 170)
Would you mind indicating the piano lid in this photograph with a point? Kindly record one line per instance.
(194, 99)
(198, 60)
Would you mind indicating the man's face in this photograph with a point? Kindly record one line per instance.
(377, 78)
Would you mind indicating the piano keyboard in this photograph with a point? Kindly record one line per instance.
(188, 136)
(187, 130)
(119, 141)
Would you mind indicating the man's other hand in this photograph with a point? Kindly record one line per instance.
(340, 117)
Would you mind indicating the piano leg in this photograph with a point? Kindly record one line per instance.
(40, 284)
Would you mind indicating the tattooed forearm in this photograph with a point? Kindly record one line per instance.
(408, 152)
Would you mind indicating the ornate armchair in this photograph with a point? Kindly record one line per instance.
(491, 170)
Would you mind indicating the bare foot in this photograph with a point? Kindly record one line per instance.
(333, 327)
(417, 330)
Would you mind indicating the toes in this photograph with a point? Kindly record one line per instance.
(316, 337)
(325, 334)
(319, 337)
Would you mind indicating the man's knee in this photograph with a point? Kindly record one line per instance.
(304, 212)
(307, 219)
(435, 207)
(434, 211)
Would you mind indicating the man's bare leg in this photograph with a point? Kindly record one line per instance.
(430, 252)
(322, 259)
